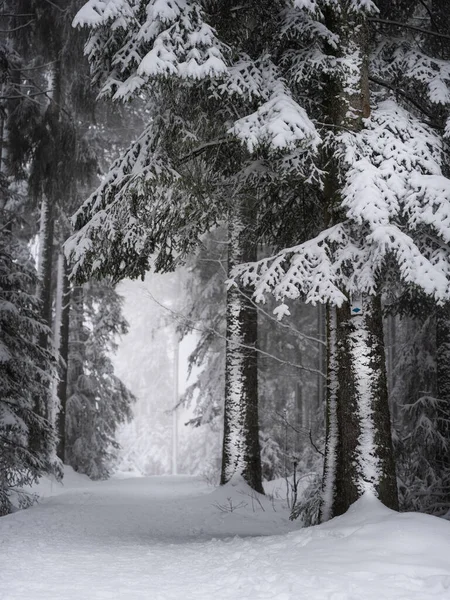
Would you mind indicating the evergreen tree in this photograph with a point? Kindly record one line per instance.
(421, 408)
(53, 148)
(98, 402)
(381, 214)
(26, 368)
(26, 372)
(169, 230)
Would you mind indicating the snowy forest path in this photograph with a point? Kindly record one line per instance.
(121, 539)
(174, 538)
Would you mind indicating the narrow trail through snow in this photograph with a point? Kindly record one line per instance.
(165, 538)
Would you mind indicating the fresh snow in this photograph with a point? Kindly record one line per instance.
(172, 538)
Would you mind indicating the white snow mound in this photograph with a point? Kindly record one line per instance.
(171, 538)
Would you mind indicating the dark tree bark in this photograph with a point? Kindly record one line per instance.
(241, 450)
(443, 394)
(46, 266)
(75, 369)
(64, 359)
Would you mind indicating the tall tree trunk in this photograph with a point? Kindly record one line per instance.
(331, 422)
(45, 266)
(75, 366)
(50, 187)
(359, 453)
(63, 347)
(241, 450)
(391, 336)
(43, 404)
(364, 453)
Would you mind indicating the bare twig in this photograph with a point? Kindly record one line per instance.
(408, 26)
(314, 445)
(203, 148)
(230, 507)
(63, 10)
(36, 67)
(16, 15)
(19, 96)
(186, 319)
(304, 432)
(18, 27)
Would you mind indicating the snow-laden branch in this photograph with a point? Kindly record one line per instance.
(280, 123)
(169, 37)
(411, 65)
(395, 196)
(113, 225)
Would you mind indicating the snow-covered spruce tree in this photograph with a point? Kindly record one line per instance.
(442, 465)
(67, 149)
(26, 372)
(206, 315)
(419, 66)
(358, 453)
(26, 369)
(98, 402)
(439, 21)
(418, 397)
(49, 151)
(384, 207)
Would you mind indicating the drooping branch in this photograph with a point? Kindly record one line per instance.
(404, 95)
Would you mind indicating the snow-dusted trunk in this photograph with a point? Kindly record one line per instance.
(241, 450)
(49, 198)
(358, 454)
(364, 454)
(43, 404)
(321, 360)
(62, 320)
(332, 435)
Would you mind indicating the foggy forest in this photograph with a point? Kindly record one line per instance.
(225, 299)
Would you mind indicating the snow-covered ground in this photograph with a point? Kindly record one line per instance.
(172, 538)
